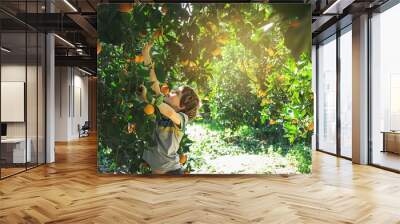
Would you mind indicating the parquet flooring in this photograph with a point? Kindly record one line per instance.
(70, 191)
(10, 171)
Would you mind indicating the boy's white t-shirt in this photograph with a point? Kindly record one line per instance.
(167, 135)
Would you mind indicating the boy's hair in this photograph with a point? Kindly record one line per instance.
(190, 101)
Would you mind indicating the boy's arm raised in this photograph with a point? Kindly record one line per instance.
(147, 61)
(169, 112)
(146, 53)
(153, 78)
(164, 108)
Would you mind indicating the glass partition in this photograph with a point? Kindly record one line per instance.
(22, 91)
(41, 85)
(14, 154)
(31, 100)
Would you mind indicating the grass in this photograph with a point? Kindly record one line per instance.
(223, 151)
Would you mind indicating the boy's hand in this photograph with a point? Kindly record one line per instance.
(156, 87)
(142, 92)
(147, 47)
(146, 53)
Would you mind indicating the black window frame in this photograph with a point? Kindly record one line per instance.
(338, 32)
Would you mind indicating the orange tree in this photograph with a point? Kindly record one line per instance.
(264, 79)
(190, 40)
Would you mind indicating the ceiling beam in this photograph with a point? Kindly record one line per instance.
(337, 6)
(320, 22)
(79, 61)
(86, 26)
(49, 22)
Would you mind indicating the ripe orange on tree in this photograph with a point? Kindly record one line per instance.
(272, 122)
(125, 7)
(310, 126)
(164, 89)
(294, 24)
(223, 38)
(216, 52)
(182, 158)
(139, 58)
(98, 47)
(184, 62)
(149, 109)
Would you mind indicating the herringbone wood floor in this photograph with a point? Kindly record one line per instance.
(70, 191)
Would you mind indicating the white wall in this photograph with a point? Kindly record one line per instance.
(34, 125)
(71, 93)
(62, 81)
(80, 89)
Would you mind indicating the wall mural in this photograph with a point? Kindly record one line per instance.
(204, 88)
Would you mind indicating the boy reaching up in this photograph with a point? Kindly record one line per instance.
(177, 108)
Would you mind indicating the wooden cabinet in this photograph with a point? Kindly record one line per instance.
(391, 142)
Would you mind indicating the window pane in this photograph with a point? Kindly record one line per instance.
(386, 88)
(327, 96)
(346, 94)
